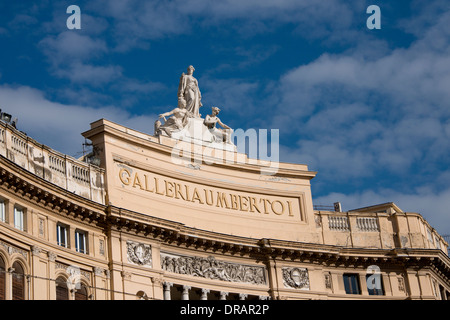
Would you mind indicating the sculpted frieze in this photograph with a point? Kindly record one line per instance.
(211, 268)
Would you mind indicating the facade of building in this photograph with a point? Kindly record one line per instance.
(137, 220)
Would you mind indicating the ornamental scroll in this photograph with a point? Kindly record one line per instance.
(296, 278)
(211, 268)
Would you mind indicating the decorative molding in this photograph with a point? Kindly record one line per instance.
(210, 268)
(73, 270)
(157, 281)
(52, 256)
(139, 253)
(401, 284)
(296, 278)
(126, 275)
(59, 265)
(328, 280)
(101, 246)
(41, 227)
(35, 250)
(99, 271)
(11, 249)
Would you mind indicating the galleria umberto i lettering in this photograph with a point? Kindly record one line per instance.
(223, 200)
(163, 217)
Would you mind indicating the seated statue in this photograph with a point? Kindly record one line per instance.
(222, 135)
(177, 121)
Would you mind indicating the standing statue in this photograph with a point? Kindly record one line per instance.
(222, 135)
(189, 92)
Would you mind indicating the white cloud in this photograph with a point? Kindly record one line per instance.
(135, 22)
(58, 125)
(233, 96)
(69, 54)
(69, 46)
(78, 72)
(385, 113)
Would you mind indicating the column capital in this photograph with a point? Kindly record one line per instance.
(223, 295)
(52, 256)
(204, 294)
(185, 294)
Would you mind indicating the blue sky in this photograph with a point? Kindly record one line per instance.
(368, 109)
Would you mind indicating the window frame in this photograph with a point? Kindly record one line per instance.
(62, 291)
(20, 212)
(18, 282)
(349, 289)
(59, 227)
(3, 210)
(84, 235)
(376, 292)
(2, 279)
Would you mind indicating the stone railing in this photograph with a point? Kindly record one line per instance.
(69, 173)
(338, 223)
(378, 230)
(367, 224)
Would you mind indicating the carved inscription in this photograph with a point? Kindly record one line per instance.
(205, 196)
(211, 268)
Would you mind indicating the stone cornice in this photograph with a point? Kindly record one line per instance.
(47, 194)
(164, 149)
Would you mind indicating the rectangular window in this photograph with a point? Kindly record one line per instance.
(374, 284)
(2, 211)
(19, 218)
(62, 235)
(80, 241)
(351, 284)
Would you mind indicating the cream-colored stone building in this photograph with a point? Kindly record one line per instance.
(134, 221)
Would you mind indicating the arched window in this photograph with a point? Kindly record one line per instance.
(18, 282)
(81, 293)
(62, 292)
(2, 280)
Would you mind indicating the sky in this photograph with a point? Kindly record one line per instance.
(368, 109)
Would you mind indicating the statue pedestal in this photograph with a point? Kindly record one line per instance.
(196, 132)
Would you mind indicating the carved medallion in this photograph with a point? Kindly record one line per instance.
(297, 278)
(139, 253)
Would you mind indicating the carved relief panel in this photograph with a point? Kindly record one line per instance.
(211, 268)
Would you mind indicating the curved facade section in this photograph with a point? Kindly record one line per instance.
(143, 226)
